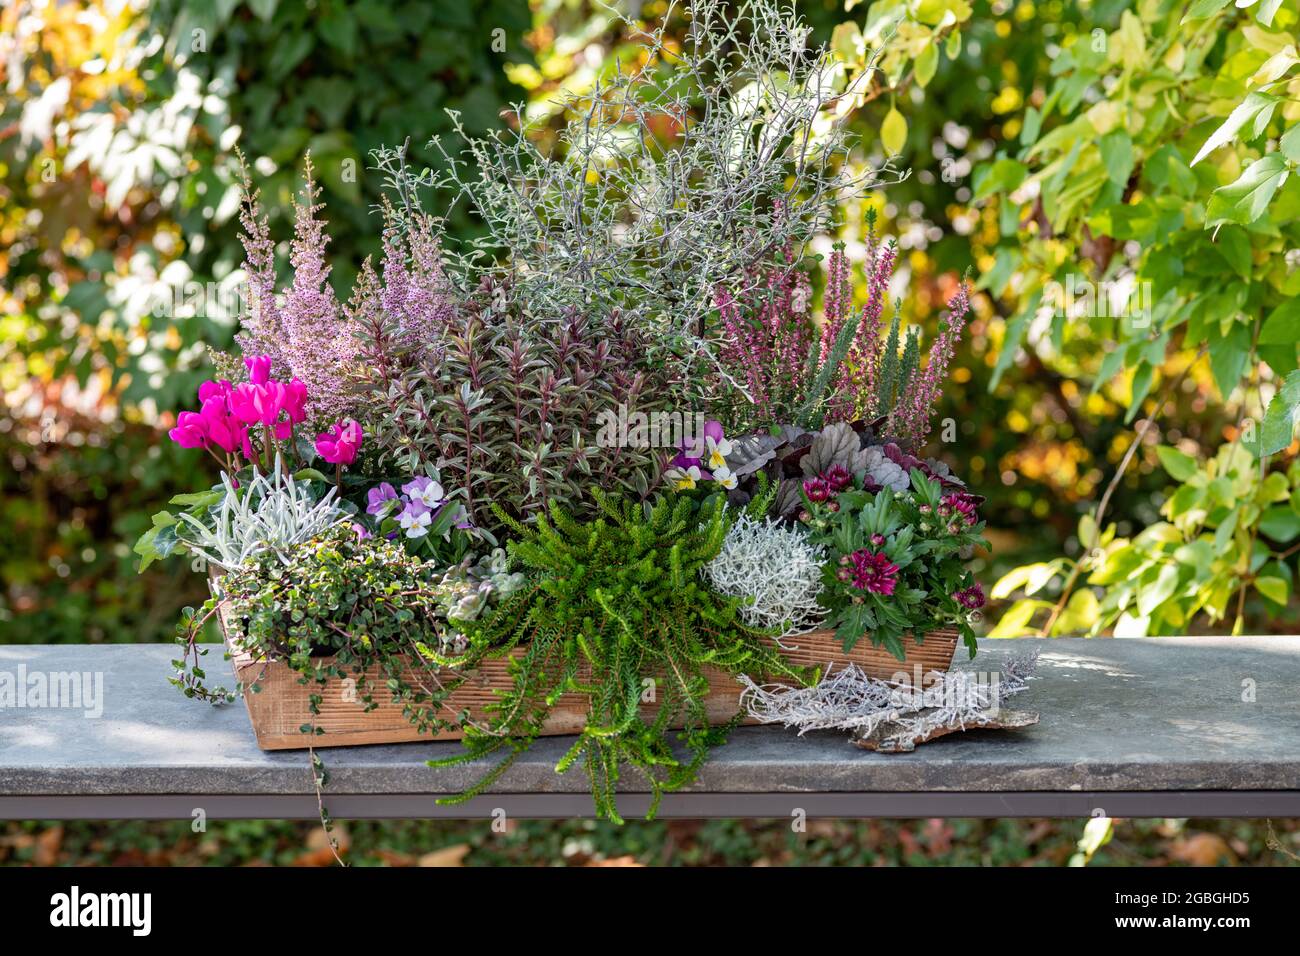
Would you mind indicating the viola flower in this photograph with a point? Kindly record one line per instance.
(425, 490)
(191, 430)
(684, 478)
(816, 489)
(259, 368)
(378, 498)
(837, 478)
(684, 460)
(716, 446)
(415, 519)
(361, 531)
(340, 444)
(971, 597)
(724, 477)
(873, 572)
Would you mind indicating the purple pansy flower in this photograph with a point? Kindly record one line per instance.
(415, 519)
(378, 498)
(424, 490)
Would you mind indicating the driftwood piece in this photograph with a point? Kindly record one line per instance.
(902, 736)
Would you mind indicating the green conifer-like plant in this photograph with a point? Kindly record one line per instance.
(619, 612)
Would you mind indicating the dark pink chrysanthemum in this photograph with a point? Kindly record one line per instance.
(971, 597)
(873, 571)
(962, 505)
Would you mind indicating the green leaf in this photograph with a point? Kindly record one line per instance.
(1141, 388)
(893, 132)
(1003, 176)
(1290, 144)
(1246, 200)
(1151, 596)
(1228, 357)
(1233, 244)
(1279, 421)
(1280, 523)
(1204, 9)
(1256, 109)
(952, 46)
(1179, 466)
(1117, 155)
(1015, 622)
(1275, 589)
(199, 498)
(1282, 326)
(1014, 336)
(926, 64)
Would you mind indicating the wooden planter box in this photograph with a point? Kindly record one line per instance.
(280, 708)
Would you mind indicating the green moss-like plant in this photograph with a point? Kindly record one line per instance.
(618, 611)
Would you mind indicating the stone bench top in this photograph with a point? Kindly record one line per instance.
(1204, 726)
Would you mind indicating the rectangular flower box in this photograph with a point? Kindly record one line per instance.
(280, 709)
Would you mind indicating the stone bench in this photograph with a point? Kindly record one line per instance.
(1164, 727)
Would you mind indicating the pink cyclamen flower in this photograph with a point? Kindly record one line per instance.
(295, 401)
(340, 444)
(258, 404)
(216, 388)
(223, 430)
(874, 572)
(259, 369)
(191, 430)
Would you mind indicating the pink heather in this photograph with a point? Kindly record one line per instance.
(307, 336)
(416, 291)
(766, 339)
(911, 417)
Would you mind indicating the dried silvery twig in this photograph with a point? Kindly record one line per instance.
(849, 699)
(620, 218)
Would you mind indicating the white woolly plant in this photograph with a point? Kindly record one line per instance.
(776, 568)
(268, 512)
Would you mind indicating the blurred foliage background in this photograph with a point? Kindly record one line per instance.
(121, 126)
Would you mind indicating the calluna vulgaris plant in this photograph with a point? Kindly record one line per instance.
(783, 355)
